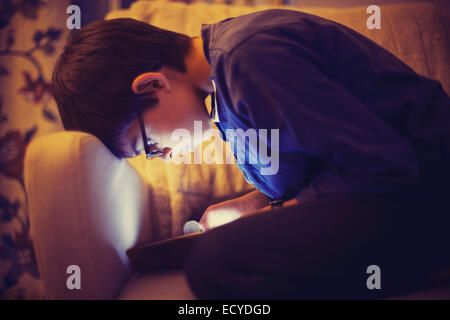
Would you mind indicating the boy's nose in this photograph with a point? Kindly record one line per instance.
(166, 154)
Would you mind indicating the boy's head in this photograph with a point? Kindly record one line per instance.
(109, 69)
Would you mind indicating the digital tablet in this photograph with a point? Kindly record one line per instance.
(167, 253)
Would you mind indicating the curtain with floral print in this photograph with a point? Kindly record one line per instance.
(32, 34)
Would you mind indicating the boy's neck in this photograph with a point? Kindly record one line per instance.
(198, 68)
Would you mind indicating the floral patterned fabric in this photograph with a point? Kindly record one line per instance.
(31, 37)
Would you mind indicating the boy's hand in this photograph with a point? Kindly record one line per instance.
(227, 211)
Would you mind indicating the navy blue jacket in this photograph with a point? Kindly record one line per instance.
(351, 116)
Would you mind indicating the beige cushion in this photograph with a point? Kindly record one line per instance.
(86, 208)
(158, 285)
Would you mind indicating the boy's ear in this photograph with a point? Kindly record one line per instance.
(149, 81)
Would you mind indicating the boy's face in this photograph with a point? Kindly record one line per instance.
(180, 104)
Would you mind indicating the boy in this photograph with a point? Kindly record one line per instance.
(364, 143)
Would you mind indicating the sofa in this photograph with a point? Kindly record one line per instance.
(87, 207)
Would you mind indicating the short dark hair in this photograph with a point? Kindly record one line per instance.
(92, 78)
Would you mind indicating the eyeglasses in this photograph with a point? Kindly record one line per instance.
(149, 154)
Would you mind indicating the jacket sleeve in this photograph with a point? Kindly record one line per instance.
(286, 86)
